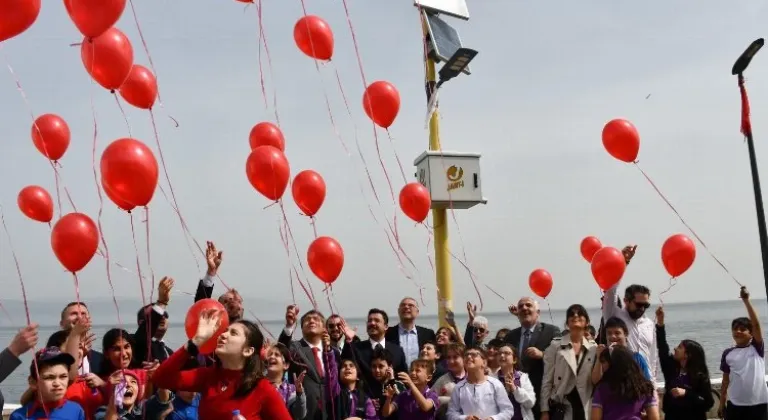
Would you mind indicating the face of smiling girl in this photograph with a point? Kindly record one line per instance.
(120, 353)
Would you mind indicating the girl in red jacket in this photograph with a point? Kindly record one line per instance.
(235, 382)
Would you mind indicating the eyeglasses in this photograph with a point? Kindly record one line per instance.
(472, 354)
(480, 330)
(333, 326)
(643, 305)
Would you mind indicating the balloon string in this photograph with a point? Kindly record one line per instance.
(549, 308)
(497, 293)
(151, 63)
(263, 40)
(690, 229)
(399, 164)
(7, 314)
(138, 264)
(122, 112)
(261, 69)
(57, 182)
(287, 238)
(284, 240)
(149, 254)
(187, 234)
(77, 287)
(16, 262)
(175, 203)
(314, 225)
(672, 283)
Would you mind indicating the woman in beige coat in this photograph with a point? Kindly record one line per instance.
(567, 383)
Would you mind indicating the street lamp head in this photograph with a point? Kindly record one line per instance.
(745, 58)
(456, 64)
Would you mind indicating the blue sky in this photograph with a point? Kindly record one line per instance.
(547, 78)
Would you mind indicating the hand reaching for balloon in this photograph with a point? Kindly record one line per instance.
(660, 316)
(744, 293)
(213, 258)
(349, 333)
(25, 340)
(291, 313)
(512, 309)
(150, 367)
(471, 312)
(210, 320)
(629, 252)
(164, 290)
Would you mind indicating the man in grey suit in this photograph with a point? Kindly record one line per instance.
(307, 354)
(530, 340)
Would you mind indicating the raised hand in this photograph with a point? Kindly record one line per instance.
(209, 322)
(164, 290)
(291, 314)
(326, 341)
(660, 315)
(86, 342)
(512, 309)
(471, 311)
(348, 332)
(150, 367)
(25, 340)
(299, 382)
(629, 252)
(213, 258)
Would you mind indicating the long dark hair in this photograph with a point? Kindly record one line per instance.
(109, 340)
(696, 365)
(623, 377)
(253, 371)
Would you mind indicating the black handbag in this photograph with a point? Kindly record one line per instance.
(556, 410)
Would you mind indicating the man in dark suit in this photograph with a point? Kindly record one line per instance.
(407, 334)
(307, 354)
(71, 314)
(531, 339)
(362, 351)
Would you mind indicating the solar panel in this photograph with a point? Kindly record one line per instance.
(444, 39)
(455, 8)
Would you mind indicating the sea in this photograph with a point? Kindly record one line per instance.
(706, 322)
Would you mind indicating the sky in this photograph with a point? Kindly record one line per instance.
(546, 80)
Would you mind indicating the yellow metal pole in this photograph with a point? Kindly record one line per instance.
(440, 221)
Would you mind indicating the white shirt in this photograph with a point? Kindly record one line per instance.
(208, 281)
(289, 332)
(374, 343)
(483, 400)
(745, 367)
(642, 331)
(85, 367)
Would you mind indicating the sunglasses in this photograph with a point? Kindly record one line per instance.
(643, 305)
(480, 330)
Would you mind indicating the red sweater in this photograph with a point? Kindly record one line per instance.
(217, 387)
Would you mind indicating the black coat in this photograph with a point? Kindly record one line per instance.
(362, 353)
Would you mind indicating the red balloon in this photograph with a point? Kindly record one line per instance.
(50, 134)
(36, 203)
(115, 199)
(677, 254)
(268, 171)
(266, 134)
(314, 37)
(621, 140)
(381, 102)
(193, 319)
(608, 267)
(326, 258)
(94, 17)
(589, 246)
(140, 88)
(74, 240)
(415, 201)
(108, 58)
(540, 282)
(129, 170)
(16, 16)
(308, 191)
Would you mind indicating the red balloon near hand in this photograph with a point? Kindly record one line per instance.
(589, 246)
(94, 17)
(50, 134)
(621, 140)
(268, 171)
(326, 258)
(121, 204)
(314, 37)
(16, 16)
(540, 282)
(678, 254)
(108, 58)
(129, 170)
(608, 267)
(140, 88)
(415, 201)
(308, 191)
(193, 319)
(266, 134)
(74, 240)
(36, 203)
(381, 102)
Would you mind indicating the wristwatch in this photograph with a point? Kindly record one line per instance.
(192, 348)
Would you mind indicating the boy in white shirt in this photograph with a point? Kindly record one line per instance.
(744, 392)
(479, 397)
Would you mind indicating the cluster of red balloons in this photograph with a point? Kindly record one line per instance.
(268, 172)
(607, 263)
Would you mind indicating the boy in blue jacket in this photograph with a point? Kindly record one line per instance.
(49, 375)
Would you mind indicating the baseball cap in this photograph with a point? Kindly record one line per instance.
(50, 356)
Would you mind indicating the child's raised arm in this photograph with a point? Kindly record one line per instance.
(757, 330)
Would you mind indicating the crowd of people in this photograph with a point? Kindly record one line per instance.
(399, 371)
